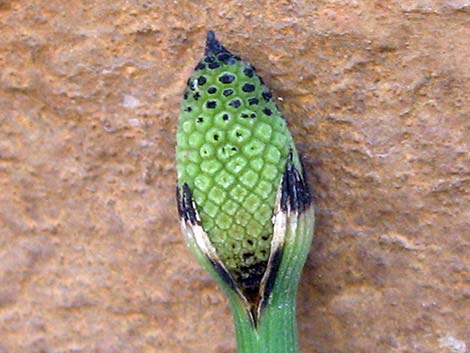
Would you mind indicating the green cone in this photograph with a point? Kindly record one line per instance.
(243, 198)
(232, 146)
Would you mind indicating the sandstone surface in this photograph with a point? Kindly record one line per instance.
(377, 97)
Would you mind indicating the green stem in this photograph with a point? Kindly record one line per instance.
(276, 332)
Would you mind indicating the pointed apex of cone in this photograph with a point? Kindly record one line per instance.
(213, 46)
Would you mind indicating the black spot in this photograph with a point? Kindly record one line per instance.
(209, 59)
(216, 137)
(247, 255)
(212, 90)
(224, 57)
(235, 103)
(204, 151)
(228, 58)
(211, 104)
(253, 115)
(200, 66)
(248, 87)
(248, 72)
(253, 100)
(267, 111)
(192, 85)
(261, 80)
(234, 149)
(185, 95)
(225, 117)
(244, 116)
(227, 78)
(267, 96)
(227, 92)
(214, 65)
(201, 80)
(188, 109)
(196, 96)
(238, 134)
(200, 120)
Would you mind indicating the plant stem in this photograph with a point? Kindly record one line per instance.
(276, 332)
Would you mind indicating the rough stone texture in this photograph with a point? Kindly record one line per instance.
(376, 94)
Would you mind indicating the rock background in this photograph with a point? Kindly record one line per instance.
(376, 94)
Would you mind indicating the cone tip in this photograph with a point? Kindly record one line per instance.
(213, 46)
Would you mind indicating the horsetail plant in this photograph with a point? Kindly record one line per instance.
(243, 198)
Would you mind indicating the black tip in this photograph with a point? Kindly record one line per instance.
(210, 37)
(213, 46)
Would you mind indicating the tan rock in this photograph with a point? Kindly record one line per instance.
(377, 97)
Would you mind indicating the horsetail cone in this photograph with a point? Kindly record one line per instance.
(239, 176)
